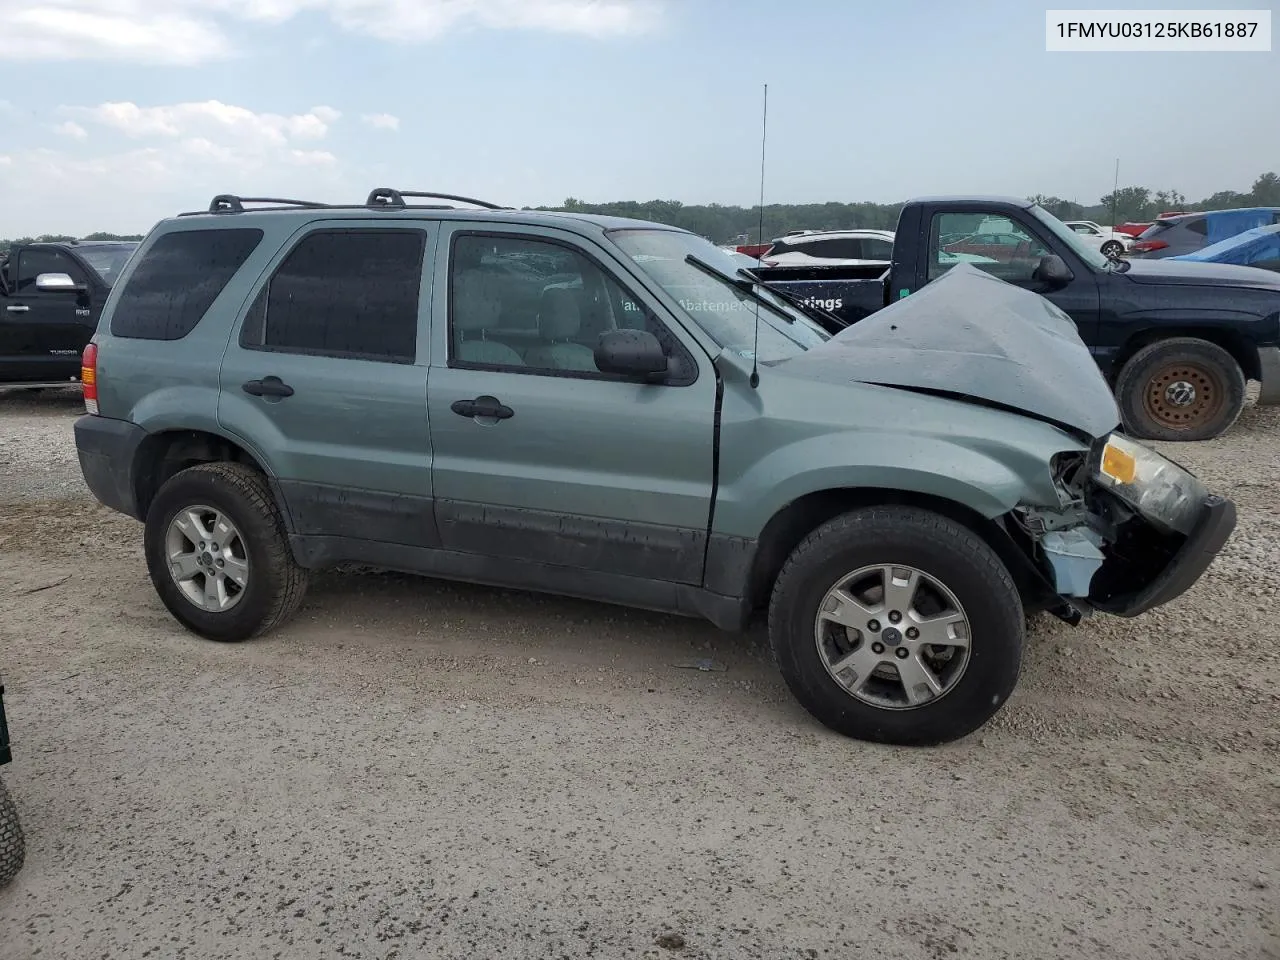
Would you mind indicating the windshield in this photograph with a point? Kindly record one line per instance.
(1088, 254)
(107, 262)
(727, 314)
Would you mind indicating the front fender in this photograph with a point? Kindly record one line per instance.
(985, 475)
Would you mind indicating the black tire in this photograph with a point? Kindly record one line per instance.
(1146, 381)
(276, 583)
(942, 549)
(13, 845)
(1112, 248)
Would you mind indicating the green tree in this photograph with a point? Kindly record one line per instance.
(1129, 203)
(1266, 191)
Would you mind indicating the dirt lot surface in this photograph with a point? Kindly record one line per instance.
(417, 769)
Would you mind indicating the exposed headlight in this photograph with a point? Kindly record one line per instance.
(1153, 485)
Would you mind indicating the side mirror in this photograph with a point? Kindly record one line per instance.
(632, 353)
(1053, 272)
(57, 283)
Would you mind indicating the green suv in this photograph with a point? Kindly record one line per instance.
(613, 409)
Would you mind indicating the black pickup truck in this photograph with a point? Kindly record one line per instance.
(1176, 340)
(51, 295)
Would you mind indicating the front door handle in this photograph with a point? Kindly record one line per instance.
(268, 387)
(17, 309)
(487, 407)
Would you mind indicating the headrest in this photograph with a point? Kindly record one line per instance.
(474, 305)
(558, 317)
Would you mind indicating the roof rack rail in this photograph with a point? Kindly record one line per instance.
(230, 203)
(394, 199)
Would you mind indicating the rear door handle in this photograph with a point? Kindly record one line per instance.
(17, 309)
(482, 407)
(268, 387)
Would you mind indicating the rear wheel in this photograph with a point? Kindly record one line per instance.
(1180, 389)
(1112, 248)
(897, 625)
(13, 845)
(218, 553)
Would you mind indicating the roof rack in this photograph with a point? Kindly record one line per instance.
(394, 199)
(229, 203)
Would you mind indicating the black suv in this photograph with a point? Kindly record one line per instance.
(52, 295)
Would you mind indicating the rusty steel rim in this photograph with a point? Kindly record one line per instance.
(1183, 396)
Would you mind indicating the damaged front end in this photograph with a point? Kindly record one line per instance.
(1133, 530)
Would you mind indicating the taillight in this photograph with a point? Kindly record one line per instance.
(1146, 246)
(89, 377)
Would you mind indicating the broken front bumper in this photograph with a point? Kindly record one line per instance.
(1213, 527)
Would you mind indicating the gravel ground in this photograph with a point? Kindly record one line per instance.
(419, 769)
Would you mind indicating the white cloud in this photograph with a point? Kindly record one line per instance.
(196, 31)
(72, 129)
(145, 31)
(382, 121)
(175, 157)
(208, 117)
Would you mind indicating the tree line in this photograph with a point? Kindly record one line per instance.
(730, 224)
(62, 238)
(733, 224)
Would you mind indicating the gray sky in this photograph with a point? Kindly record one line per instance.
(120, 112)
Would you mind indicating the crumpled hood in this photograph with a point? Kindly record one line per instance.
(971, 334)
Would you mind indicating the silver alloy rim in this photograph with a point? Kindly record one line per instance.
(893, 636)
(207, 558)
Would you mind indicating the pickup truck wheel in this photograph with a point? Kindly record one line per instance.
(218, 553)
(897, 625)
(1180, 389)
(13, 845)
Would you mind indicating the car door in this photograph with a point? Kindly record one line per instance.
(539, 457)
(1014, 260)
(325, 377)
(42, 332)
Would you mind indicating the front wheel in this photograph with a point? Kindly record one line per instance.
(897, 625)
(1182, 388)
(13, 845)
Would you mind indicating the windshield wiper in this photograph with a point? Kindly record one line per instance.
(746, 286)
(799, 303)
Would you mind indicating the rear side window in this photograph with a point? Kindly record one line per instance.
(343, 293)
(176, 281)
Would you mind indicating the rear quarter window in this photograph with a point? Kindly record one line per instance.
(177, 279)
(1199, 226)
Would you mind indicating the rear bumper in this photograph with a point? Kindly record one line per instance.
(1269, 363)
(107, 450)
(1216, 522)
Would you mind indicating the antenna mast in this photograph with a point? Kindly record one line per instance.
(764, 134)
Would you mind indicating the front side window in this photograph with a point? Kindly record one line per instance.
(1001, 247)
(32, 263)
(343, 293)
(177, 280)
(536, 306)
